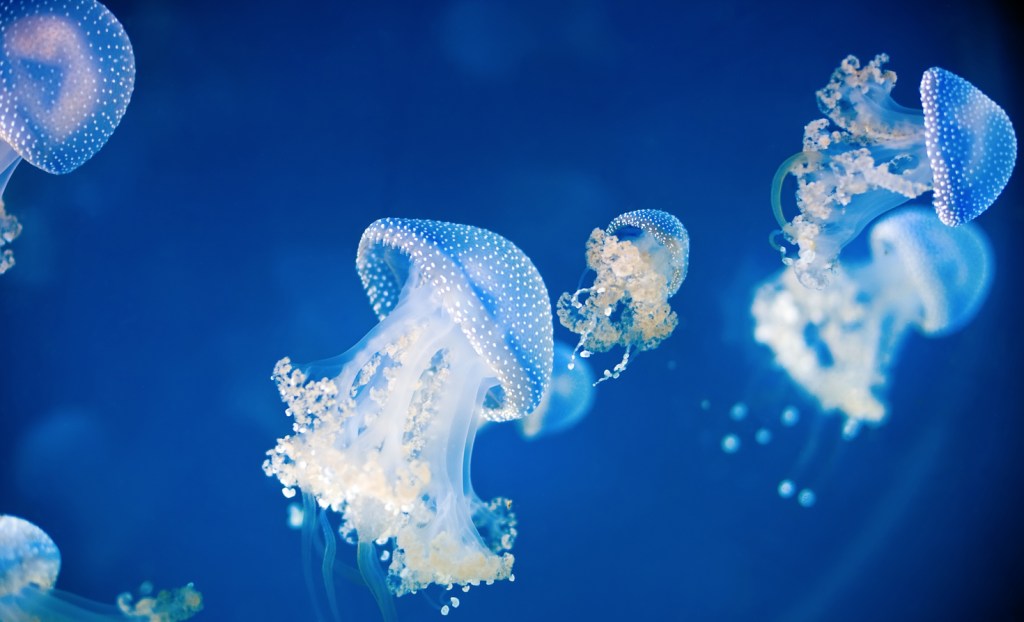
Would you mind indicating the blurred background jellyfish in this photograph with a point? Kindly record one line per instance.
(640, 260)
(567, 401)
(961, 146)
(383, 434)
(29, 565)
(66, 75)
(838, 344)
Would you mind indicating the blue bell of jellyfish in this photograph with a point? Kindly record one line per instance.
(567, 401)
(67, 71)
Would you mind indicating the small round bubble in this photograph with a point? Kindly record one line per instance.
(763, 436)
(738, 412)
(851, 429)
(790, 416)
(730, 443)
(295, 515)
(806, 498)
(786, 488)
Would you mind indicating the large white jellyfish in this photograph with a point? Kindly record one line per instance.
(383, 434)
(839, 343)
(29, 565)
(640, 260)
(66, 75)
(879, 155)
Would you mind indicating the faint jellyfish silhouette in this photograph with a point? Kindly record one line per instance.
(640, 260)
(961, 146)
(566, 402)
(839, 343)
(29, 565)
(383, 434)
(66, 75)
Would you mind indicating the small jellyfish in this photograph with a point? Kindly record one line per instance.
(790, 416)
(839, 343)
(383, 434)
(806, 498)
(640, 260)
(787, 488)
(29, 565)
(66, 75)
(568, 399)
(880, 155)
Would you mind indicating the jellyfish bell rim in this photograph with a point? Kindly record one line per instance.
(389, 246)
(965, 194)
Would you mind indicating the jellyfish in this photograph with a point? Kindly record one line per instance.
(383, 434)
(640, 260)
(66, 76)
(567, 401)
(880, 155)
(29, 565)
(839, 343)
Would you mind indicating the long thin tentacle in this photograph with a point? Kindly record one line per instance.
(372, 573)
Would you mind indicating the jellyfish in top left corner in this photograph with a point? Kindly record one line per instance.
(383, 434)
(29, 565)
(838, 344)
(67, 71)
(640, 259)
(872, 155)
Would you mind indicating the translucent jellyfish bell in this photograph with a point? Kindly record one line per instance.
(961, 146)
(28, 557)
(29, 565)
(839, 343)
(66, 75)
(567, 401)
(383, 434)
(640, 260)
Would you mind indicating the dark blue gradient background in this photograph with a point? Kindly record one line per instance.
(157, 285)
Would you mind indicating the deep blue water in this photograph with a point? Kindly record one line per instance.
(157, 285)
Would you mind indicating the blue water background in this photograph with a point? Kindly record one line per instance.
(157, 285)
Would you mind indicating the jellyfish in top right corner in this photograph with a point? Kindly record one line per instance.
(639, 260)
(839, 343)
(877, 155)
(67, 72)
(29, 565)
